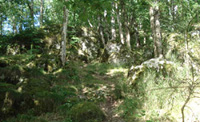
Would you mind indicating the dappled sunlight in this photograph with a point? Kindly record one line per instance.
(115, 71)
(99, 61)
(192, 110)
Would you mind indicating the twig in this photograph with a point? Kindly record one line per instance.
(183, 107)
(172, 87)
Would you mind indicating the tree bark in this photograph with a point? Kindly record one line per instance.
(128, 37)
(31, 8)
(101, 31)
(14, 25)
(41, 12)
(172, 9)
(1, 24)
(120, 25)
(137, 37)
(65, 22)
(156, 30)
(21, 19)
(151, 13)
(113, 31)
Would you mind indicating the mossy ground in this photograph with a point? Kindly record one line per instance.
(35, 94)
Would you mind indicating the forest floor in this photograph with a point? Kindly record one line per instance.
(109, 79)
(100, 84)
(110, 105)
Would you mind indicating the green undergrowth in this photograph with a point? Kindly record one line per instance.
(74, 93)
(86, 112)
(36, 86)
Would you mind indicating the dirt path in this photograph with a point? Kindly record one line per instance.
(110, 105)
(109, 109)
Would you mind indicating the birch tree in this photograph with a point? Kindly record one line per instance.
(155, 28)
(41, 12)
(64, 35)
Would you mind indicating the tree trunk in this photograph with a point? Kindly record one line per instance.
(41, 12)
(113, 31)
(101, 29)
(21, 19)
(137, 37)
(172, 9)
(31, 8)
(120, 25)
(106, 26)
(156, 31)
(14, 25)
(152, 19)
(65, 22)
(128, 36)
(1, 24)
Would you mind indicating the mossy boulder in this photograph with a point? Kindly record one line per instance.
(160, 65)
(86, 112)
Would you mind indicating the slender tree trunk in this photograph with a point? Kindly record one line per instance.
(14, 25)
(101, 29)
(120, 25)
(21, 19)
(65, 22)
(128, 36)
(113, 31)
(31, 8)
(152, 19)
(137, 37)
(198, 17)
(1, 24)
(106, 26)
(172, 9)
(41, 12)
(156, 31)
(127, 26)
(184, 105)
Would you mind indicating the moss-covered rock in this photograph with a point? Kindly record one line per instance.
(156, 64)
(86, 112)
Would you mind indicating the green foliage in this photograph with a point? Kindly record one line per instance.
(6, 87)
(86, 112)
(25, 118)
(30, 37)
(69, 74)
(130, 107)
(25, 40)
(34, 83)
(118, 92)
(4, 42)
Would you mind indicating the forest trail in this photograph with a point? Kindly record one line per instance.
(110, 105)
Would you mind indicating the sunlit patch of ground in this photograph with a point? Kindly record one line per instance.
(115, 71)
